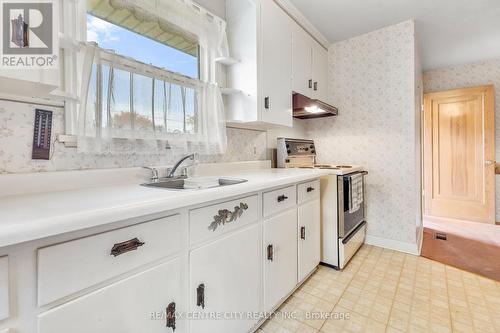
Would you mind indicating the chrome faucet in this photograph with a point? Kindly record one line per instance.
(171, 172)
(154, 173)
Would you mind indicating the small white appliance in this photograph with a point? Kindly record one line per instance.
(343, 222)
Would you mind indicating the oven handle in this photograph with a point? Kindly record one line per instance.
(364, 173)
(351, 235)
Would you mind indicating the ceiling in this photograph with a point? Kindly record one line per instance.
(449, 32)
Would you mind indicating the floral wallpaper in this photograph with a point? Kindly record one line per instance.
(16, 135)
(470, 75)
(372, 81)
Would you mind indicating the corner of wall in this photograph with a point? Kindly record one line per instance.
(410, 248)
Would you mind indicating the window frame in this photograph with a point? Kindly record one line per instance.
(118, 61)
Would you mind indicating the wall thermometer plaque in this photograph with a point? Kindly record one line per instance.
(41, 135)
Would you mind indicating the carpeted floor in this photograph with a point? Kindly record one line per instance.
(471, 246)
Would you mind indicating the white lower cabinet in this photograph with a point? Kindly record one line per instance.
(226, 281)
(309, 238)
(4, 288)
(214, 268)
(136, 304)
(280, 268)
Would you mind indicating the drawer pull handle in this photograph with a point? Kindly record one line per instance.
(226, 216)
(310, 84)
(130, 245)
(171, 316)
(282, 198)
(310, 189)
(303, 233)
(200, 296)
(270, 252)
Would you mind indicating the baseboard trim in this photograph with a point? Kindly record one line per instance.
(393, 244)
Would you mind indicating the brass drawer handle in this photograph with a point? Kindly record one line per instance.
(226, 216)
(130, 245)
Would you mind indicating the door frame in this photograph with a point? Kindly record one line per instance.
(489, 106)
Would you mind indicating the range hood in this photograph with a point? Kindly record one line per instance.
(307, 108)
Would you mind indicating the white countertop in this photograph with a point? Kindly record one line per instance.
(29, 217)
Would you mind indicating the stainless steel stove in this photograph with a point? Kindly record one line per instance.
(343, 221)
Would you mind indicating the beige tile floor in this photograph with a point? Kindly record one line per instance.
(387, 291)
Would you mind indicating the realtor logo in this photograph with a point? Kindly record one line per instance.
(29, 34)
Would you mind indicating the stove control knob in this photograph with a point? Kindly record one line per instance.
(288, 151)
(313, 151)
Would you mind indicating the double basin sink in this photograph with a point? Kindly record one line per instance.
(177, 184)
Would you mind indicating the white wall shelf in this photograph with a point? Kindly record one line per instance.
(230, 91)
(227, 61)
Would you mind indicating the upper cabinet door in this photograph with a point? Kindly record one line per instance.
(320, 73)
(276, 65)
(302, 62)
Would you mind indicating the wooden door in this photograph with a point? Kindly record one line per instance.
(459, 153)
(280, 269)
(276, 65)
(309, 238)
(229, 273)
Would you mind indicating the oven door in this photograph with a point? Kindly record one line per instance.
(348, 221)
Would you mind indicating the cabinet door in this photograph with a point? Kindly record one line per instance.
(309, 237)
(276, 65)
(4, 288)
(302, 75)
(280, 269)
(320, 73)
(226, 278)
(136, 304)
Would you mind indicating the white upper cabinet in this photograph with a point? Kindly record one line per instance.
(276, 64)
(302, 62)
(310, 66)
(260, 36)
(320, 73)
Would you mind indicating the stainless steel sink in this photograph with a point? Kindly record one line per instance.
(177, 184)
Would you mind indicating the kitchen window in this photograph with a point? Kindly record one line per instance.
(150, 76)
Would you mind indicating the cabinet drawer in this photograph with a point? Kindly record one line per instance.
(136, 304)
(308, 191)
(279, 200)
(70, 267)
(4, 288)
(211, 221)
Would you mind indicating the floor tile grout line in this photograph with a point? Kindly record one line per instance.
(393, 299)
(347, 286)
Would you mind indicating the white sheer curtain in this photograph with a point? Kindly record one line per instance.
(142, 131)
